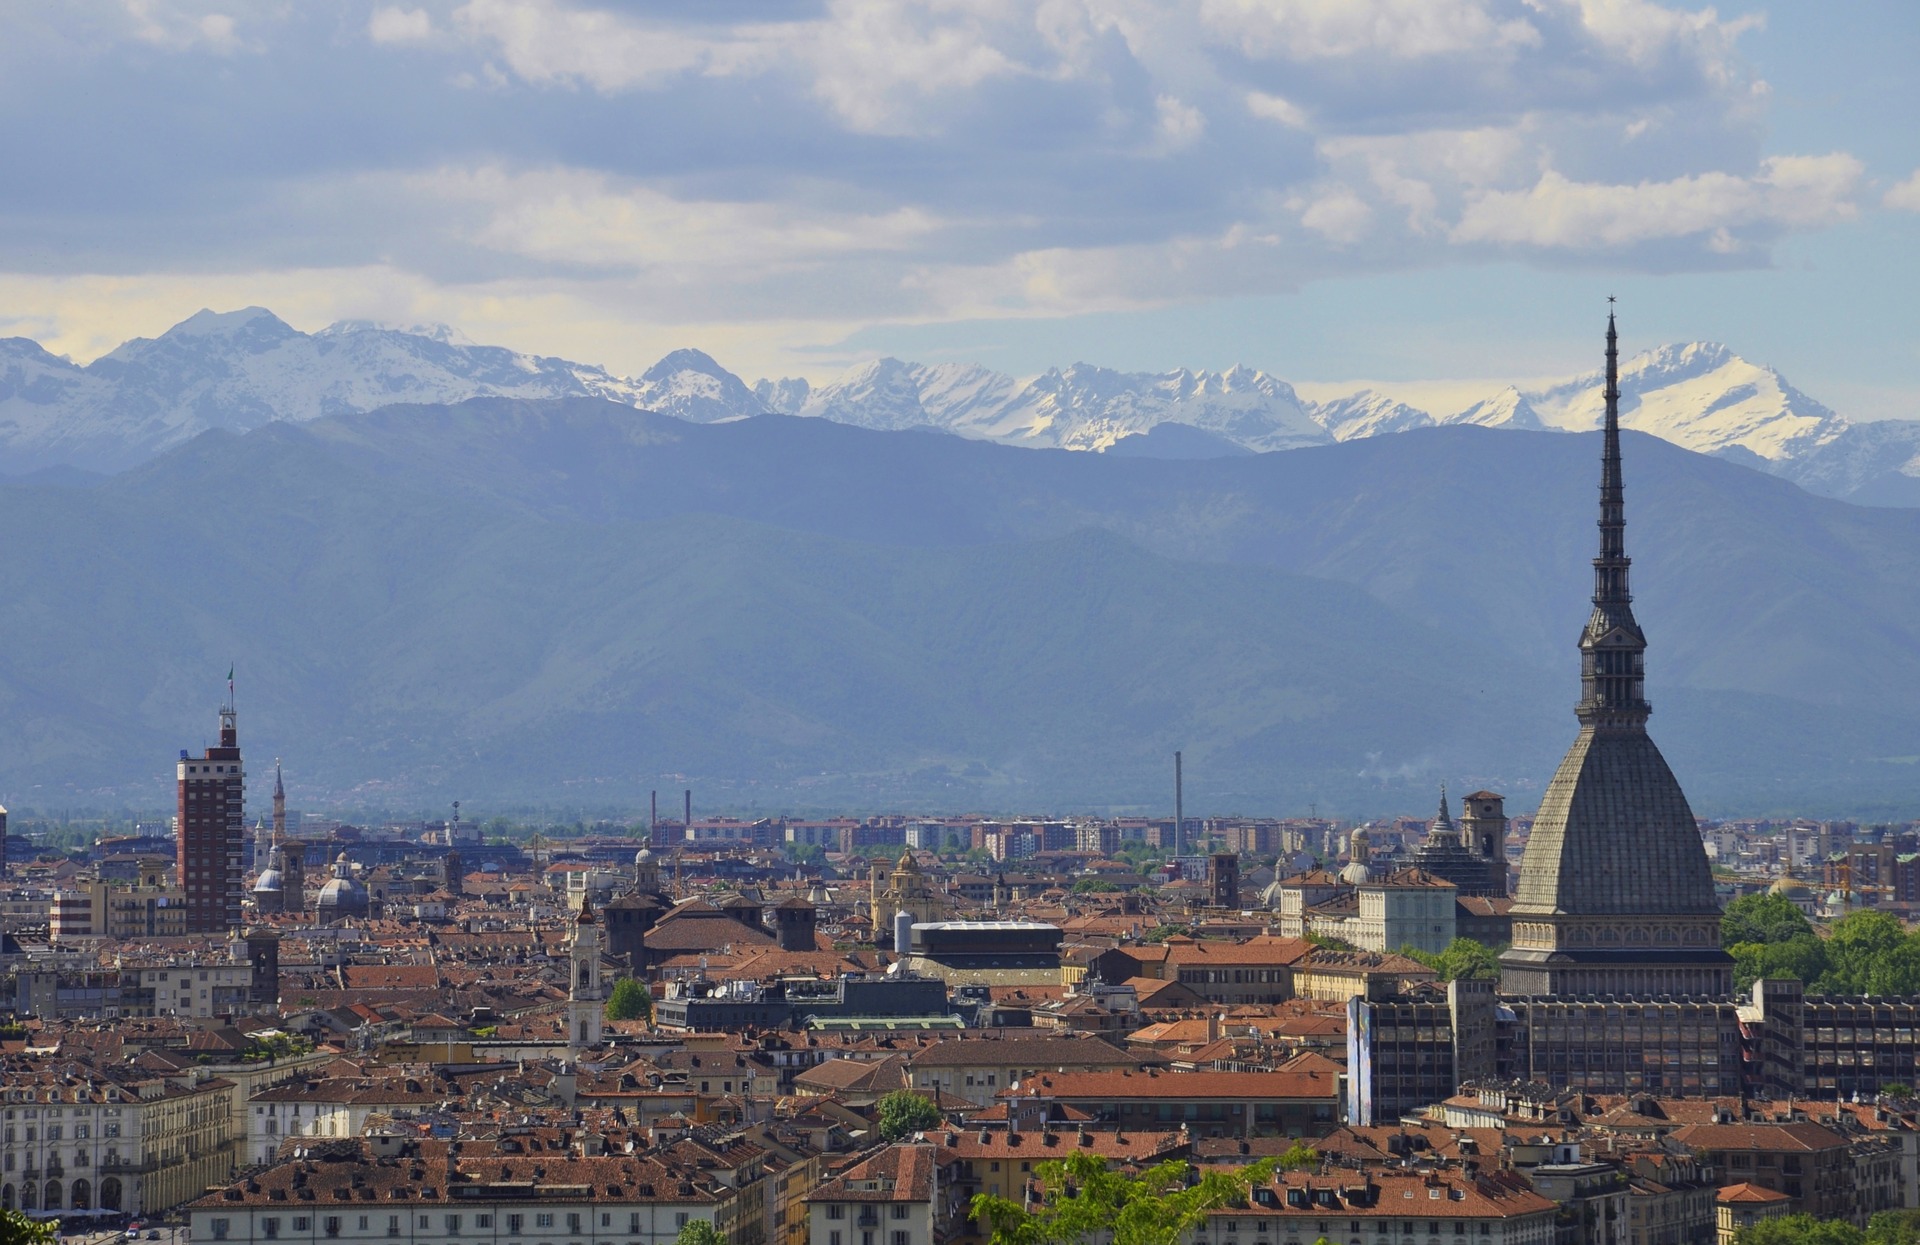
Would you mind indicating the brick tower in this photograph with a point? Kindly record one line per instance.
(210, 830)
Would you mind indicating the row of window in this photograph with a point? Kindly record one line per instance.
(80, 1131)
(1381, 1227)
(453, 1224)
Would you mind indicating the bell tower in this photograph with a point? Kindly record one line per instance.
(586, 999)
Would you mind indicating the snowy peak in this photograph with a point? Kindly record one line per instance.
(1507, 409)
(1092, 408)
(688, 384)
(240, 369)
(1368, 413)
(1699, 395)
(443, 334)
(785, 396)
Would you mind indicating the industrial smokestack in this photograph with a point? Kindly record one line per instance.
(1179, 814)
(653, 818)
(686, 822)
(902, 932)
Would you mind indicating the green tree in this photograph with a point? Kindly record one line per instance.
(1800, 1230)
(699, 1232)
(904, 1113)
(18, 1229)
(1088, 885)
(1299, 1157)
(1894, 1227)
(629, 1001)
(1085, 1202)
(1801, 959)
(1762, 918)
(1869, 953)
(1463, 959)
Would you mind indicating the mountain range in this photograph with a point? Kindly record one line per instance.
(569, 600)
(239, 370)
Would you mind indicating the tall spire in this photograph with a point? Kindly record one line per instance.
(1443, 826)
(1612, 648)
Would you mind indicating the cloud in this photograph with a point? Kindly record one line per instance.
(1273, 108)
(580, 217)
(850, 162)
(1905, 196)
(393, 25)
(546, 43)
(178, 28)
(1400, 29)
(1789, 192)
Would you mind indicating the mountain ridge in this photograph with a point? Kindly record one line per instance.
(240, 369)
(512, 598)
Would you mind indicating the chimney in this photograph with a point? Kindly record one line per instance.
(1179, 808)
(653, 818)
(687, 821)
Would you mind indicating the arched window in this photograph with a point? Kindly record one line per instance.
(6, 1198)
(110, 1193)
(26, 1196)
(82, 1195)
(53, 1195)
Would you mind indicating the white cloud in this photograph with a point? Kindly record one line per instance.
(1273, 108)
(1178, 125)
(395, 25)
(1789, 191)
(546, 43)
(586, 218)
(1401, 29)
(1905, 196)
(1339, 215)
(178, 28)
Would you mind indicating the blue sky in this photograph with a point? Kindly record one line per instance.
(1329, 189)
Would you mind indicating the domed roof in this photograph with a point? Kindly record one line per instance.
(1791, 887)
(268, 881)
(344, 894)
(1356, 874)
(643, 856)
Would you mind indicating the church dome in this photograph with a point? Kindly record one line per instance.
(344, 895)
(1358, 850)
(1792, 888)
(268, 882)
(644, 856)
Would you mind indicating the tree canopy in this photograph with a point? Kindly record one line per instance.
(1085, 1202)
(629, 1001)
(1762, 918)
(1464, 959)
(699, 1232)
(1867, 952)
(19, 1229)
(904, 1113)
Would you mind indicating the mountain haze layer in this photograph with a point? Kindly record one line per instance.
(570, 600)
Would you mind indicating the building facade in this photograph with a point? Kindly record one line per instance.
(210, 831)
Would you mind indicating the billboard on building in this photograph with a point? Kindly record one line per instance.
(1359, 1061)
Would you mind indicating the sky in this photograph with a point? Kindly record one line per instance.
(1332, 190)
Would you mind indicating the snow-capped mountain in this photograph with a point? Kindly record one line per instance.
(1081, 408)
(240, 369)
(887, 394)
(1367, 414)
(237, 370)
(1507, 409)
(1699, 395)
(689, 385)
